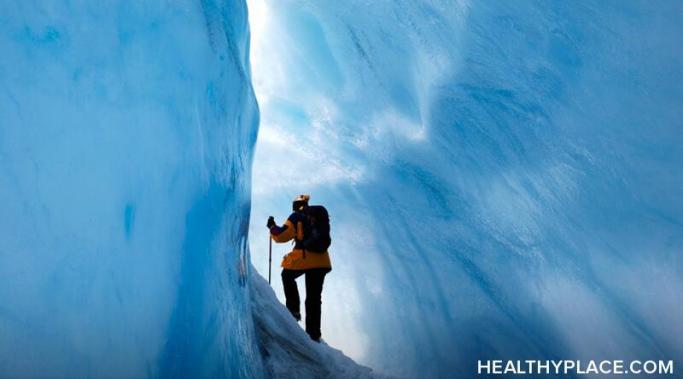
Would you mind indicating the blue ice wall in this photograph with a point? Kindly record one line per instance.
(126, 132)
(503, 177)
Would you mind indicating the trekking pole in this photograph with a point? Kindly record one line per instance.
(270, 255)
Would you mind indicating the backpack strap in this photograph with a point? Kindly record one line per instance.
(300, 230)
(300, 234)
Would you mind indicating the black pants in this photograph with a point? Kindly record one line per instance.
(314, 288)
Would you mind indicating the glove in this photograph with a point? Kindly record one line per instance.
(271, 222)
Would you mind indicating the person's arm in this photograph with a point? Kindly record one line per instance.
(283, 233)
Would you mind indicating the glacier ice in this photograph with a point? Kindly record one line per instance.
(503, 177)
(126, 137)
(503, 180)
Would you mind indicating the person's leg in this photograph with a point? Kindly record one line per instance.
(291, 291)
(314, 288)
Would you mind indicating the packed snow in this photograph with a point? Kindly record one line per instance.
(288, 352)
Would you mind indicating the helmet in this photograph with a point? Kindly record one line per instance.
(300, 202)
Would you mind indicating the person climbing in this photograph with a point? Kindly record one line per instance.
(309, 227)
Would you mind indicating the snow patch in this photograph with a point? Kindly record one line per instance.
(287, 350)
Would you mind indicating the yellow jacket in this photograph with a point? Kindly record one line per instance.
(298, 259)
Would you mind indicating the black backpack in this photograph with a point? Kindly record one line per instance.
(317, 237)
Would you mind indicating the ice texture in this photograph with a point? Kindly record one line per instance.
(504, 178)
(126, 139)
(289, 352)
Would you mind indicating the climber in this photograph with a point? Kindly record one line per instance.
(309, 227)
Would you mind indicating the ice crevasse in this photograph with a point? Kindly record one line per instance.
(509, 173)
(125, 153)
